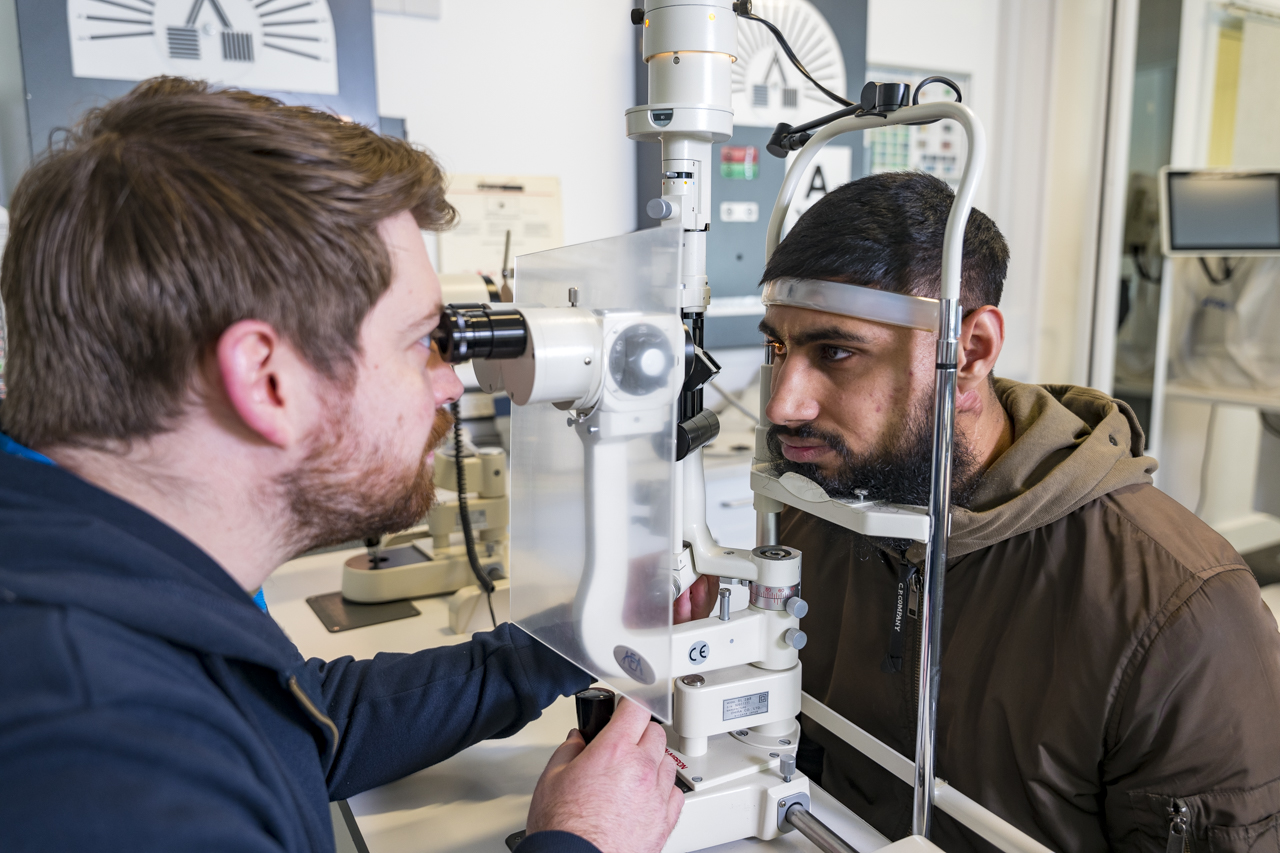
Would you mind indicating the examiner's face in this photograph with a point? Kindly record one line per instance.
(851, 401)
(403, 384)
(368, 469)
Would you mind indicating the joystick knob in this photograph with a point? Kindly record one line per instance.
(595, 709)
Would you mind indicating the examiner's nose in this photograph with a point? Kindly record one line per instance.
(790, 401)
(444, 380)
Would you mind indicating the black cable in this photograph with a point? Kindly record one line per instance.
(936, 78)
(1228, 270)
(791, 55)
(486, 583)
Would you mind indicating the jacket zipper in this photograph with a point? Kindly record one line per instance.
(915, 693)
(1179, 827)
(316, 714)
(905, 601)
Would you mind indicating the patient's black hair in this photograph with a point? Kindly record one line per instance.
(885, 231)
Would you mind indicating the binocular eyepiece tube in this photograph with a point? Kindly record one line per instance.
(473, 330)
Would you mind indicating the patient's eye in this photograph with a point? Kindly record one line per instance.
(776, 347)
(832, 353)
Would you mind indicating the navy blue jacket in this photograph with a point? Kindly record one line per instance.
(147, 704)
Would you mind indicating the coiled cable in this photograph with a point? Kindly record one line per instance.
(486, 583)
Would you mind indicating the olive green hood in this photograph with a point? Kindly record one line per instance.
(1071, 445)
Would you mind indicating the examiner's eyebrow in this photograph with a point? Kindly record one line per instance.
(426, 319)
(810, 336)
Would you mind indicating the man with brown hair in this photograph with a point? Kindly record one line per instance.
(219, 312)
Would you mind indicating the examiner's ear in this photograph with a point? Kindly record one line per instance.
(264, 380)
(981, 339)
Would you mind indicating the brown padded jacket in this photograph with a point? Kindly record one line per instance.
(1106, 655)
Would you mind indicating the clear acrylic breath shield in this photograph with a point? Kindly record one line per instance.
(594, 527)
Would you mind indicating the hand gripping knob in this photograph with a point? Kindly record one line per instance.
(787, 765)
(595, 708)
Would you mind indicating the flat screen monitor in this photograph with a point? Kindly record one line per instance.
(1220, 213)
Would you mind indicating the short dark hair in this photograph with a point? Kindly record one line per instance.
(173, 212)
(885, 231)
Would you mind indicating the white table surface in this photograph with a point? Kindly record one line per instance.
(474, 800)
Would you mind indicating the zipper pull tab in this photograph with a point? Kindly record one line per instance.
(1179, 822)
(913, 599)
(893, 658)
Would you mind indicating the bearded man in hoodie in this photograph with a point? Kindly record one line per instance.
(1110, 675)
(220, 311)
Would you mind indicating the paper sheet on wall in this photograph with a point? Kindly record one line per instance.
(491, 205)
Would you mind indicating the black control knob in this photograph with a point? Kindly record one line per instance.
(595, 709)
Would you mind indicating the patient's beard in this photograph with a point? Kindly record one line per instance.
(348, 489)
(898, 471)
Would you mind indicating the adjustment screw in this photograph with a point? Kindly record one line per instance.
(741, 733)
(787, 764)
(697, 779)
(659, 208)
(797, 607)
(693, 681)
(795, 638)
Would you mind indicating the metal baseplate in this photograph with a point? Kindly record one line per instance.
(418, 570)
(734, 791)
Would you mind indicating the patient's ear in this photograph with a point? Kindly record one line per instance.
(981, 339)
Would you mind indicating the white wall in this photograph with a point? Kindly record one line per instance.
(512, 87)
(942, 35)
(1005, 47)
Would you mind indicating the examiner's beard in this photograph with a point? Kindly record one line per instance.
(898, 471)
(345, 490)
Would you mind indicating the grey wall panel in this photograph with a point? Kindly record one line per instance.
(56, 98)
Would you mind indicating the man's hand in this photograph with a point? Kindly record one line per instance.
(618, 793)
(698, 601)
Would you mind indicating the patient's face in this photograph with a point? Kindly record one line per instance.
(852, 404)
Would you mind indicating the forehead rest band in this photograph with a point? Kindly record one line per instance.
(852, 300)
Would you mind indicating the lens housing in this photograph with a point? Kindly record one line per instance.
(473, 330)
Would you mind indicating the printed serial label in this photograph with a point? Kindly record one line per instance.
(746, 706)
(479, 519)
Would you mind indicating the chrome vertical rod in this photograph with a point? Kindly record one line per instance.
(935, 564)
(766, 528)
(767, 509)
